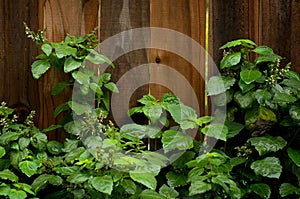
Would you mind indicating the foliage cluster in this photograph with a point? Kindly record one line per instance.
(257, 155)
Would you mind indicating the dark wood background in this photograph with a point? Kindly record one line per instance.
(267, 22)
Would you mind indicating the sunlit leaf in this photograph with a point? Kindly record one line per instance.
(231, 60)
(103, 184)
(287, 189)
(249, 76)
(39, 67)
(145, 179)
(267, 144)
(261, 189)
(268, 167)
(29, 168)
(294, 155)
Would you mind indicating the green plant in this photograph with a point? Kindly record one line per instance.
(99, 160)
(21, 154)
(262, 96)
(75, 55)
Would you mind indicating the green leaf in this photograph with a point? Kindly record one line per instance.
(39, 141)
(60, 109)
(78, 178)
(29, 168)
(25, 187)
(42, 180)
(23, 143)
(67, 170)
(147, 99)
(280, 97)
(261, 189)
(59, 88)
(267, 144)
(295, 113)
(8, 175)
(105, 78)
(2, 151)
(103, 184)
(294, 155)
(294, 83)
(74, 154)
(52, 128)
(227, 184)
(287, 189)
(4, 189)
(267, 114)
(79, 108)
(268, 167)
(150, 194)
(129, 186)
(39, 67)
(238, 42)
(153, 112)
(112, 87)
(169, 192)
(145, 179)
(262, 96)
(230, 60)
(267, 58)
(54, 147)
(71, 64)
(140, 131)
(7, 137)
(176, 179)
(70, 145)
(47, 48)
(17, 194)
(263, 50)
(173, 139)
(62, 50)
(292, 75)
(215, 86)
(97, 58)
(18, 156)
(168, 99)
(249, 76)
(244, 101)
(234, 129)
(135, 110)
(218, 131)
(245, 87)
(181, 113)
(199, 187)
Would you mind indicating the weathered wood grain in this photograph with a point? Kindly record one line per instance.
(17, 87)
(116, 17)
(62, 17)
(187, 17)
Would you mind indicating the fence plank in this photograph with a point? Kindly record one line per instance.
(295, 35)
(230, 20)
(118, 16)
(76, 17)
(274, 23)
(187, 17)
(282, 30)
(17, 87)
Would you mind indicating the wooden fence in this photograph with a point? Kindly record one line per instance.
(268, 22)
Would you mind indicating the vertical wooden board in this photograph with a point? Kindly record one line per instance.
(17, 87)
(76, 17)
(116, 18)
(295, 35)
(230, 20)
(276, 27)
(187, 17)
